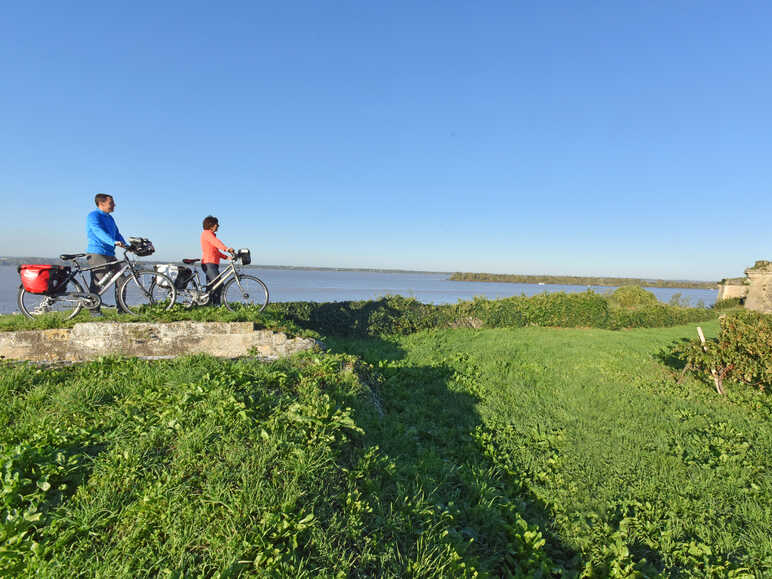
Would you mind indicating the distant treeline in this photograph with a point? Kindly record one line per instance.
(574, 280)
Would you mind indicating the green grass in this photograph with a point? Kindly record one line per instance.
(127, 468)
(618, 466)
(520, 452)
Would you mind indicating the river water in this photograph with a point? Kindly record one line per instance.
(289, 285)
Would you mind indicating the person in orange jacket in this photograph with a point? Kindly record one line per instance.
(212, 249)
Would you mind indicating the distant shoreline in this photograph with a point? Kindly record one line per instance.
(457, 276)
(579, 280)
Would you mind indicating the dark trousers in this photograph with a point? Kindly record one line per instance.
(212, 270)
(102, 274)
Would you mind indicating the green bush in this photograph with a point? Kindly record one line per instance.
(397, 315)
(742, 353)
(389, 315)
(657, 316)
(632, 296)
(728, 304)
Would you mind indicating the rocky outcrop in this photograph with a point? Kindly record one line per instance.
(88, 341)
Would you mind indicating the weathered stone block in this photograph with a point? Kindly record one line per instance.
(90, 340)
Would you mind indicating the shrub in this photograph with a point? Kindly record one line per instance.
(586, 309)
(742, 353)
(389, 315)
(728, 304)
(657, 316)
(632, 296)
(399, 315)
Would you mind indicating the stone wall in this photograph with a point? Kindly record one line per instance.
(755, 288)
(732, 288)
(90, 340)
(760, 287)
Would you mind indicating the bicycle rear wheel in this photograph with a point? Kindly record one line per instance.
(67, 303)
(190, 294)
(246, 291)
(144, 289)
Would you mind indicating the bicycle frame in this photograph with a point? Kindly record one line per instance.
(104, 285)
(202, 291)
(117, 274)
(222, 277)
(240, 286)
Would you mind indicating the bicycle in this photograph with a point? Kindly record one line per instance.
(238, 290)
(134, 287)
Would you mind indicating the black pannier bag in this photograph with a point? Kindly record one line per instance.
(184, 275)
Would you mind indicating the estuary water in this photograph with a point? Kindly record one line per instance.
(290, 285)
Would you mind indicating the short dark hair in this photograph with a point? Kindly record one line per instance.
(210, 221)
(101, 198)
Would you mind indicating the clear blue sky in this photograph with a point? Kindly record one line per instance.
(598, 138)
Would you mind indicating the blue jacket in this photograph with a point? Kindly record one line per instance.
(102, 233)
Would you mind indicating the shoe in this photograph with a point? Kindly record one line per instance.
(96, 314)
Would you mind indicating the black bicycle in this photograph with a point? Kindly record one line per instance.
(238, 290)
(135, 287)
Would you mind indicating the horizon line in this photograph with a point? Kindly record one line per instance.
(402, 270)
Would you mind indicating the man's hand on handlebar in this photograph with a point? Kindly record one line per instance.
(120, 244)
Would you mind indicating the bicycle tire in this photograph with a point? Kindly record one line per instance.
(33, 305)
(185, 295)
(252, 293)
(146, 288)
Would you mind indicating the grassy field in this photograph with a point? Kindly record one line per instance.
(612, 460)
(521, 452)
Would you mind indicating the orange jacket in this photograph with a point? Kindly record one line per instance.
(209, 247)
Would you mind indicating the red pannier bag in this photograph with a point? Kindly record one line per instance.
(42, 279)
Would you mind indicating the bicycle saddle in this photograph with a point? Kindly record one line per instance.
(66, 256)
(189, 261)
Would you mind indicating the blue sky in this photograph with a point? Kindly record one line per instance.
(580, 138)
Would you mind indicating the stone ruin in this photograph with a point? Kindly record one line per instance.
(90, 340)
(754, 290)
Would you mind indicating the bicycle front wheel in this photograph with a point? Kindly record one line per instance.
(67, 303)
(245, 291)
(145, 289)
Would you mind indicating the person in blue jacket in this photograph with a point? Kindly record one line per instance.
(103, 237)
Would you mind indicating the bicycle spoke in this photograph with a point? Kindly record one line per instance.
(248, 292)
(146, 289)
(67, 303)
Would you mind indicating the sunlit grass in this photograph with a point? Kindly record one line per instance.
(443, 453)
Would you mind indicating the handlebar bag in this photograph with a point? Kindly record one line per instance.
(246, 257)
(141, 246)
(42, 278)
